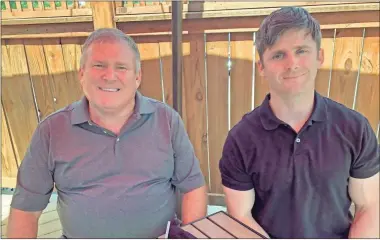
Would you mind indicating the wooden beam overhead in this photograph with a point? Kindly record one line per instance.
(103, 14)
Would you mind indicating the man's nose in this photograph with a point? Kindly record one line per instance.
(109, 74)
(291, 62)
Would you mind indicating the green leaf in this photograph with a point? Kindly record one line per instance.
(47, 4)
(12, 4)
(35, 4)
(70, 3)
(24, 5)
(58, 3)
(3, 5)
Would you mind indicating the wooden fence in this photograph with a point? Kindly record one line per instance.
(220, 79)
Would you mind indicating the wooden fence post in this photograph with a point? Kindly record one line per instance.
(103, 14)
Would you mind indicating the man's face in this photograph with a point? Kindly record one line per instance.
(108, 78)
(290, 65)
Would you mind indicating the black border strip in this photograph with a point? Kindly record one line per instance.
(259, 234)
(200, 230)
(221, 227)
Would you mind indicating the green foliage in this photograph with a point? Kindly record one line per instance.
(35, 4)
(47, 4)
(3, 5)
(12, 4)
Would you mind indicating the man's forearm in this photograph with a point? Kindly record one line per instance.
(366, 223)
(22, 224)
(194, 205)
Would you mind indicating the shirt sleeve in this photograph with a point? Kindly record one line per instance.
(367, 162)
(187, 172)
(232, 168)
(35, 178)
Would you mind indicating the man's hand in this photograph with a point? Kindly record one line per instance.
(194, 205)
(23, 224)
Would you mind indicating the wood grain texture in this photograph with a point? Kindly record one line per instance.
(167, 74)
(103, 14)
(194, 98)
(150, 66)
(367, 100)
(17, 96)
(8, 159)
(72, 51)
(322, 80)
(241, 75)
(217, 98)
(56, 67)
(348, 46)
(40, 77)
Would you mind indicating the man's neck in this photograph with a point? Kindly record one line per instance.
(112, 120)
(294, 110)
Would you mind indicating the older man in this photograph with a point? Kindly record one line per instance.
(115, 157)
(291, 167)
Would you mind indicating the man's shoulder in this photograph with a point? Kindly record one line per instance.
(60, 117)
(339, 113)
(250, 121)
(161, 107)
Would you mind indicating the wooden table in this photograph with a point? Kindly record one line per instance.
(219, 225)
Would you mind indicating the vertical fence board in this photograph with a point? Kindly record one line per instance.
(217, 98)
(194, 99)
(39, 76)
(17, 96)
(241, 75)
(7, 6)
(150, 66)
(71, 55)
(18, 7)
(56, 67)
(8, 159)
(166, 60)
(323, 75)
(367, 101)
(348, 45)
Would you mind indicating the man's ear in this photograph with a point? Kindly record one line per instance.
(80, 75)
(138, 79)
(321, 57)
(260, 66)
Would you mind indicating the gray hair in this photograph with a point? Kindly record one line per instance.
(280, 21)
(103, 34)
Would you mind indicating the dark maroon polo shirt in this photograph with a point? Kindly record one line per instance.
(300, 180)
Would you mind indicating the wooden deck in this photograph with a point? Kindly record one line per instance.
(49, 225)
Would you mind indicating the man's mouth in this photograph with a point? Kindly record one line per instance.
(109, 89)
(291, 77)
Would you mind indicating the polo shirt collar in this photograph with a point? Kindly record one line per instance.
(143, 104)
(80, 113)
(271, 122)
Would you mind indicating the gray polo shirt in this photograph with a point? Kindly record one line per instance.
(109, 186)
